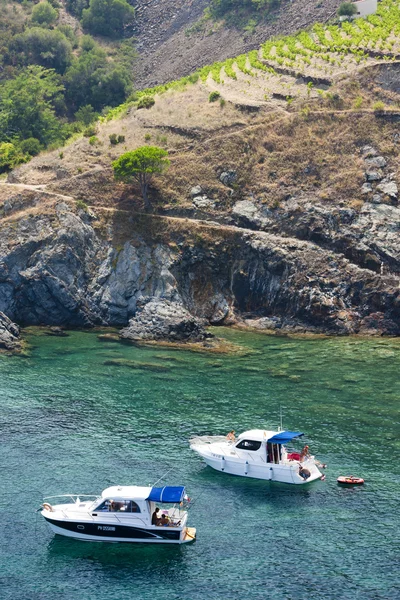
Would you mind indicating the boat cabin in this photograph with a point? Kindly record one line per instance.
(139, 501)
(268, 445)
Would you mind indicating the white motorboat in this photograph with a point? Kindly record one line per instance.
(258, 454)
(122, 514)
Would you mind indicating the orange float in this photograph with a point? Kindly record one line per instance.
(351, 479)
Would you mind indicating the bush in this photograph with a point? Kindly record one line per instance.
(45, 47)
(347, 9)
(93, 140)
(44, 14)
(116, 139)
(214, 96)
(378, 106)
(10, 156)
(107, 17)
(86, 114)
(146, 102)
(90, 131)
(81, 205)
(30, 146)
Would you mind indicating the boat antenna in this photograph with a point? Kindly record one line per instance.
(162, 477)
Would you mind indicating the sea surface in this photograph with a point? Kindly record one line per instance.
(75, 418)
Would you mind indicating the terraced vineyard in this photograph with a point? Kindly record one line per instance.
(299, 66)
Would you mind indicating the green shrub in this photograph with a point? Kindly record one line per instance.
(222, 102)
(93, 140)
(147, 137)
(358, 102)
(146, 102)
(44, 14)
(347, 9)
(90, 131)
(113, 139)
(10, 156)
(80, 204)
(214, 96)
(30, 146)
(107, 17)
(120, 139)
(86, 114)
(378, 106)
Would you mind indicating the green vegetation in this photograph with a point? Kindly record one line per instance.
(145, 102)
(107, 17)
(242, 13)
(140, 166)
(214, 96)
(116, 139)
(347, 9)
(44, 14)
(54, 81)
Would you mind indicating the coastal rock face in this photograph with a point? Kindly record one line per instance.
(160, 319)
(329, 272)
(9, 334)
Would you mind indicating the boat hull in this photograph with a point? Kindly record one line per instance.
(97, 532)
(268, 472)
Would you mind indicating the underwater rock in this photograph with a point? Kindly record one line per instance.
(160, 319)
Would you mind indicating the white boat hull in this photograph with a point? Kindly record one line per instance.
(97, 538)
(268, 472)
(105, 532)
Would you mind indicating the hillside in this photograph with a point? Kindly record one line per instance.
(279, 211)
(174, 39)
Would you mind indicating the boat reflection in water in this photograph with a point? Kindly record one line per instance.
(122, 514)
(259, 454)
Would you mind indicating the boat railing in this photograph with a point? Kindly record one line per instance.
(74, 497)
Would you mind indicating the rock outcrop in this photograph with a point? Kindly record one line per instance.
(9, 334)
(160, 319)
(65, 268)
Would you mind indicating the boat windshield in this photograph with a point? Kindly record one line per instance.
(111, 505)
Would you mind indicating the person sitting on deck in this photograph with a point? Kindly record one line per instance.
(164, 521)
(304, 453)
(231, 436)
(155, 519)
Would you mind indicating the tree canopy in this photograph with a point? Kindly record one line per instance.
(44, 14)
(107, 17)
(28, 106)
(49, 48)
(140, 166)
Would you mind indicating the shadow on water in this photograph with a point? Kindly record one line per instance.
(116, 558)
(256, 491)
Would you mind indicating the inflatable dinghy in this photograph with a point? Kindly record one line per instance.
(350, 479)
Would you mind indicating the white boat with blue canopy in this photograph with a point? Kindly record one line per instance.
(259, 454)
(122, 514)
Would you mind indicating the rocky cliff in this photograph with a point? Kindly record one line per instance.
(63, 266)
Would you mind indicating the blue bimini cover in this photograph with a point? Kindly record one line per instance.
(284, 436)
(167, 494)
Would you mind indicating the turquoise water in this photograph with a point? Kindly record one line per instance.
(71, 423)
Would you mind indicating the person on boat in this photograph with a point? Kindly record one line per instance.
(165, 520)
(155, 519)
(305, 453)
(304, 473)
(231, 436)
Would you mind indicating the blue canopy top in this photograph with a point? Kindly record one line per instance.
(167, 494)
(284, 436)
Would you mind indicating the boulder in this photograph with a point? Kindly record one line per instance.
(228, 177)
(366, 188)
(373, 175)
(161, 319)
(9, 334)
(196, 191)
(203, 202)
(377, 162)
(389, 188)
(368, 151)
